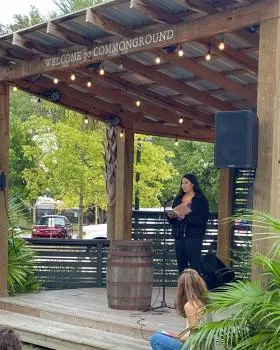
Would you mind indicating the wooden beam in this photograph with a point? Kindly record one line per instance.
(155, 12)
(205, 73)
(4, 168)
(175, 85)
(58, 31)
(72, 97)
(225, 211)
(105, 24)
(34, 49)
(121, 98)
(233, 55)
(200, 28)
(155, 129)
(124, 185)
(267, 185)
(167, 103)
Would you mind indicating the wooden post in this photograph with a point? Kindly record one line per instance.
(224, 211)
(124, 186)
(110, 158)
(4, 166)
(267, 184)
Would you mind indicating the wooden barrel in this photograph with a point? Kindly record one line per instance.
(130, 275)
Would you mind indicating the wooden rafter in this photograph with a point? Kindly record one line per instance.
(165, 102)
(107, 25)
(167, 130)
(205, 73)
(175, 85)
(200, 28)
(62, 33)
(37, 49)
(122, 99)
(70, 102)
(158, 15)
(235, 56)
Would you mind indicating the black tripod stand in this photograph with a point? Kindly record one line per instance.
(163, 303)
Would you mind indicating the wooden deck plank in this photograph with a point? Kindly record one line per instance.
(88, 308)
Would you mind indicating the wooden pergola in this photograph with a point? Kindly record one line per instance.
(153, 55)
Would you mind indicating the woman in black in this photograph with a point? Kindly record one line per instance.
(188, 223)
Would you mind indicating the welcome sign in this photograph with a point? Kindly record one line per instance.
(124, 46)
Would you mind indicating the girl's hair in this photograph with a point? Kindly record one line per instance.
(9, 339)
(196, 187)
(191, 287)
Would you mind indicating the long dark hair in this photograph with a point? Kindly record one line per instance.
(196, 187)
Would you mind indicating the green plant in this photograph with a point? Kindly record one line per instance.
(249, 311)
(21, 277)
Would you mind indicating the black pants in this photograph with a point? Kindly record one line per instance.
(188, 253)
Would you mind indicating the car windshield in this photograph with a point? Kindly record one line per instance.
(50, 221)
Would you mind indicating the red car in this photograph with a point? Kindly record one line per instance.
(53, 226)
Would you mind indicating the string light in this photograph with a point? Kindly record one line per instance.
(14, 88)
(176, 142)
(72, 77)
(101, 70)
(86, 120)
(89, 84)
(157, 60)
(208, 55)
(56, 81)
(221, 45)
(121, 134)
(180, 51)
(138, 103)
(181, 121)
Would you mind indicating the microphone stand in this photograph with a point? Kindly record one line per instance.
(163, 303)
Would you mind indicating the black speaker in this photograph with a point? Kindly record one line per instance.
(236, 139)
(215, 272)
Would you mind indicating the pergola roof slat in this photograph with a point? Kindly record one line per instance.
(126, 36)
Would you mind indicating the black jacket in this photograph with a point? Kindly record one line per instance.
(194, 224)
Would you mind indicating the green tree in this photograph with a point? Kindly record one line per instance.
(69, 162)
(25, 21)
(192, 157)
(155, 169)
(69, 6)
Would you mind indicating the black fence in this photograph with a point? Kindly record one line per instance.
(62, 264)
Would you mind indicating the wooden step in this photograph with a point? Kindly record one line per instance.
(62, 336)
(88, 307)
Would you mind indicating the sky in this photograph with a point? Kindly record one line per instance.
(23, 7)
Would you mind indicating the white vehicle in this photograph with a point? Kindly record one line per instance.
(95, 231)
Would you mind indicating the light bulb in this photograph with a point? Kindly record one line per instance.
(55, 81)
(157, 60)
(222, 46)
(181, 121)
(101, 71)
(138, 103)
(181, 52)
(89, 84)
(121, 134)
(14, 88)
(208, 56)
(86, 120)
(72, 77)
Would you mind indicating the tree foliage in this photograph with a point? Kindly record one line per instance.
(192, 157)
(249, 311)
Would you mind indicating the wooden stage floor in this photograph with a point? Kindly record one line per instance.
(88, 308)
